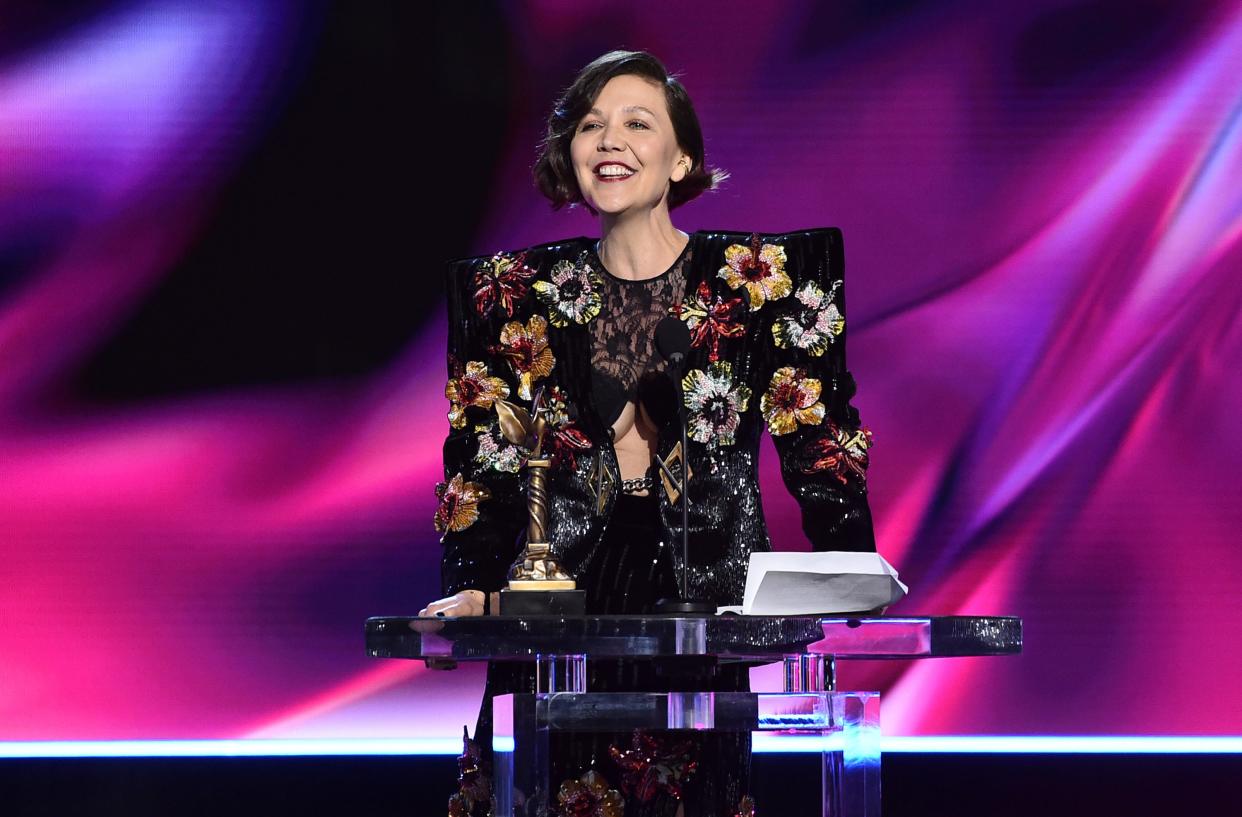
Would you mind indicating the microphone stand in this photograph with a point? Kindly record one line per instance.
(684, 605)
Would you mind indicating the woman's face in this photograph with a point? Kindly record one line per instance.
(624, 150)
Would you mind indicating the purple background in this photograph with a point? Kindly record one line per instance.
(222, 228)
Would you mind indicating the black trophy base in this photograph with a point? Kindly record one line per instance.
(542, 602)
(685, 607)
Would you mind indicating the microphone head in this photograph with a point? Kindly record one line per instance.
(672, 339)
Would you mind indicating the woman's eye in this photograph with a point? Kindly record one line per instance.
(588, 126)
(638, 124)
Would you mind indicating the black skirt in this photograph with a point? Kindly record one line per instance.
(653, 770)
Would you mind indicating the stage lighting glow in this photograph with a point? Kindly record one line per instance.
(763, 744)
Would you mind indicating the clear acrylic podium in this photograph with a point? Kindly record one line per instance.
(844, 727)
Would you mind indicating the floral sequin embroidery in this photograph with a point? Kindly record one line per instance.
(710, 318)
(564, 440)
(526, 349)
(474, 794)
(573, 293)
(715, 403)
(589, 796)
(792, 398)
(841, 452)
(471, 387)
(501, 281)
(459, 504)
(815, 325)
(759, 268)
(495, 452)
(655, 764)
(746, 807)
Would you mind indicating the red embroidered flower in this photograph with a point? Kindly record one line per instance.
(459, 504)
(526, 349)
(655, 764)
(839, 451)
(471, 387)
(589, 796)
(711, 318)
(501, 280)
(563, 439)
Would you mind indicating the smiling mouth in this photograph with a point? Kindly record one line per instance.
(613, 172)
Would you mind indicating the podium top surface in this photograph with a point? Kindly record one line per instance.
(758, 638)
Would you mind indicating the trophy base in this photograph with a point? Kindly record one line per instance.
(541, 602)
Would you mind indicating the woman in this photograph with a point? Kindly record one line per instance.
(576, 319)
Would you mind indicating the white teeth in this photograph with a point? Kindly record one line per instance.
(614, 170)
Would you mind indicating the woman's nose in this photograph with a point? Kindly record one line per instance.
(610, 139)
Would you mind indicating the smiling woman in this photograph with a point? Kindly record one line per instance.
(572, 325)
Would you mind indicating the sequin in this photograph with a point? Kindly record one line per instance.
(589, 796)
(474, 794)
(526, 349)
(564, 440)
(745, 807)
(839, 451)
(715, 403)
(711, 318)
(759, 268)
(501, 281)
(572, 295)
(496, 453)
(459, 504)
(655, 764)
(472, 387)
(813, 326)
(792, 398)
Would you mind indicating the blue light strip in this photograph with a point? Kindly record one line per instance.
(948, 744)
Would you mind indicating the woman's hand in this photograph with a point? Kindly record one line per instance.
(465, 603)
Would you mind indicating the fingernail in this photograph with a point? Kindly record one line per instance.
(439, 612)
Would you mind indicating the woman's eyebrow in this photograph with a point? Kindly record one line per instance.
(626, 109)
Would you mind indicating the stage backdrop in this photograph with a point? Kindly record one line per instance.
(222, 232)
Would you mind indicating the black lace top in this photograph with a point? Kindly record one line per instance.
(623, 336)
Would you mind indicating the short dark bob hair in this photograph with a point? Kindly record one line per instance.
(554, 172)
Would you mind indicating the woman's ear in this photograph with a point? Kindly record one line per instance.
(682, 169)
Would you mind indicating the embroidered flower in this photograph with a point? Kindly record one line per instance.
(496, 453)
(710, 318)
(564, 440)
(791, 398)
(474, 795)
(715, 403)
(459, 504)
(655, 764)
(758, 268)
(839, 451)
(526, 349)
(745, 807)
(814, 326)
(501, 280)
(573, 293)
(589, 796)
(471, 387)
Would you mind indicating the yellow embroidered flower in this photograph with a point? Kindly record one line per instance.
(759, 268)
(472, 387)
(459, 504)
(526, 349)
(589, 796)
(791, 398)
(573, 293)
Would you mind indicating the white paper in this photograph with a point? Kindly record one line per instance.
(789, 584)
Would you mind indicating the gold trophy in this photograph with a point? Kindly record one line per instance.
(537, 584)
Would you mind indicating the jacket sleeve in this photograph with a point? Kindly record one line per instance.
(806, 392)
(479, 538)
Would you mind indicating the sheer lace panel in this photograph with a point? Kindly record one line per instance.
(623, 334)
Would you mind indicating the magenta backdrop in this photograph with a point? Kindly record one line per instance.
(1044, 265)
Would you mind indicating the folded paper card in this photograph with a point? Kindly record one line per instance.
(789, 584)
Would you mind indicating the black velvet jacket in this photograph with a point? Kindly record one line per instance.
(766, 313)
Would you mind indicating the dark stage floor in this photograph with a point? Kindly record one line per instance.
(914, 785)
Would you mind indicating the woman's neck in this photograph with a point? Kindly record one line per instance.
(640, 246)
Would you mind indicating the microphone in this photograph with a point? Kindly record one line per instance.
(672, 340)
